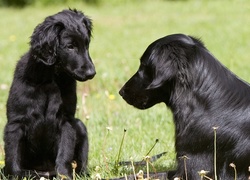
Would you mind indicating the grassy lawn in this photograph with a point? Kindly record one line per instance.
(122, 31)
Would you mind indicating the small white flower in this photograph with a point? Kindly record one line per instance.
(109, 128)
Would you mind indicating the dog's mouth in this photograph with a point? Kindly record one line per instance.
(128, 100)
(81, 76)
(84, 77)
(78, 74)
(138, 101)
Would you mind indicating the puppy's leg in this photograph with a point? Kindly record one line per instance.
(65, 152)
(13, 136)
(82, 146)
(72, 146)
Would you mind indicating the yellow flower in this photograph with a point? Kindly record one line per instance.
(111, 96)
(12, 38)
(2, 163)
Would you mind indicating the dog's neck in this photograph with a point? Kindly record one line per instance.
(211, 89)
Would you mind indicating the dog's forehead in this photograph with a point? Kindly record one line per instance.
(169, 39)
(71, 14)
(155, 47)
(176, 37)
(72, 20)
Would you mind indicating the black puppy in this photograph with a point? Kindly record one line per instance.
(202, 94)
(42, 134)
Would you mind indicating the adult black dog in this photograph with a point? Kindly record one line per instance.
(42, 134)
(202, 94)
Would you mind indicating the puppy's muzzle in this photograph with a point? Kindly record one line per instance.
(90, 73)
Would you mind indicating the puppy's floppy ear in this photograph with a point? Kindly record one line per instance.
(170, 64)
(45, 41)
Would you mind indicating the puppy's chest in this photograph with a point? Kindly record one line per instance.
(48, 103)
(43, 125)
(46, 110)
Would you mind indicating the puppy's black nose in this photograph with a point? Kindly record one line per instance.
(90, 74)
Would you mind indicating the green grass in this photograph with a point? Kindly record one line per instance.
(122, 31)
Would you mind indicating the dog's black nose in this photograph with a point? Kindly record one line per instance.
(90, 74)
(121, 92)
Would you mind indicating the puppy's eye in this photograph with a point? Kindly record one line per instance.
(70, 46)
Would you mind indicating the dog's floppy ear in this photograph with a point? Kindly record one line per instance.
(88, 23)
(170, 64)
(45, 41)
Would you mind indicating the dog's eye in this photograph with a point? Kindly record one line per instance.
(145, 72)
(70, 46)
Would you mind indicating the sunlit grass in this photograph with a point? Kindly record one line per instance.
(121, 34)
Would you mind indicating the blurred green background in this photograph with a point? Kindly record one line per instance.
(122, 31)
